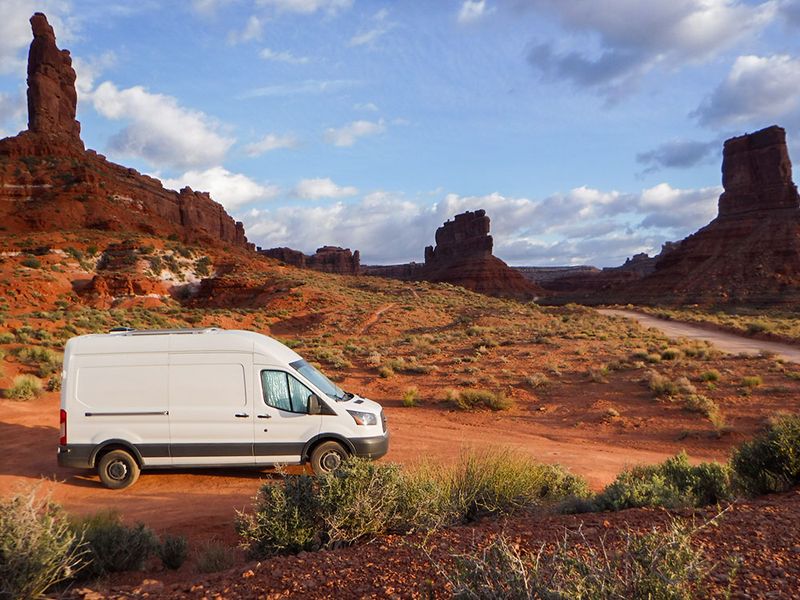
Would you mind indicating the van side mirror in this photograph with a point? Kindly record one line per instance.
(314, 405)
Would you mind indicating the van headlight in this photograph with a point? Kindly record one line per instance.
(363, 418)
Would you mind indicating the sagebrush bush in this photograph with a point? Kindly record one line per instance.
(771, 461)
(24, 387)
(672, 484)
(214, 556)
(45, 360)
(410, 397)
(113, 546)
(478, 399)
(38, 549)
(173, 551)
(364, 499)
(657, 564)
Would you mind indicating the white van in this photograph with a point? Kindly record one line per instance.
(134, 400)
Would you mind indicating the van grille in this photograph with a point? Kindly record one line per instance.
(383, 421)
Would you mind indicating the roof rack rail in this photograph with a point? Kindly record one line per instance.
(131, 331)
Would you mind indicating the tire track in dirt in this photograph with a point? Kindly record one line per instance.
(373, 318)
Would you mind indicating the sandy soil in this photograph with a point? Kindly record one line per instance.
(727, 342)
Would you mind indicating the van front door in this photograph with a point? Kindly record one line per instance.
(283, 425)
(210, 411)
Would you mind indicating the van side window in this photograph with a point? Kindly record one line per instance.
(284, 392)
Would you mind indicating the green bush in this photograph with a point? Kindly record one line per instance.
(45, 360)
(672, 484)
(656, 564)
(37, 547)
(6, 337)
(31, 262)
(213, 557)
(173, 551)
(711, 375)
(478, 399)
(752, 381)
(113, 546)
(410, 397)
(364, 499)
(25, 387)
(771, 461)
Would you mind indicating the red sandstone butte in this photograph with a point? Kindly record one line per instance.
(49, 182)
(328, 259)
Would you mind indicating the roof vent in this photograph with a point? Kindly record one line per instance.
(131, 331)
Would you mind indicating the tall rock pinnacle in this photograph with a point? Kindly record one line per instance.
(52, 99)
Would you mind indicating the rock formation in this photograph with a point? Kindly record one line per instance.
(749, 254)
(49, 182)
(52, 99)
(328, 259)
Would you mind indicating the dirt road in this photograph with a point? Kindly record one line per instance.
(727, 342)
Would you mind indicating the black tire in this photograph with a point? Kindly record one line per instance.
(327, 457)
(118, 469)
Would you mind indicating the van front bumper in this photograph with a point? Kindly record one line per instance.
(75, 456)
(371, 447)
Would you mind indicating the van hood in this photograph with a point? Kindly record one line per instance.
(360, 403)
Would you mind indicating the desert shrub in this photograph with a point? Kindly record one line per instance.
(537, 380)
(53, 383)
(201, 266)
(385, 372)
(661, 386)
(38, 549)
(173, 551)
(705, 406)
(113, 546)
(756, 327)
(598, 374)
(73, 252)
(6, 337)
(659, 564)
(491, 482)
(671, 484)
(45, 360)
(25, 387)
(478, 399)
(214, 556)
(670, 354)
(771, 461)
(410, 397)
(752, 381)
(31, 262)
(711, 375)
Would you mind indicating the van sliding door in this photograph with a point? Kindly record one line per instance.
(210, 412)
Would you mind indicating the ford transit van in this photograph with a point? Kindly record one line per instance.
(133, 400)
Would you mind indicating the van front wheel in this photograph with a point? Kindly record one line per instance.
(118, 469)
(327, 457)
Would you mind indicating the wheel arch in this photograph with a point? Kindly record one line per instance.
(326, 437)
(110, 445)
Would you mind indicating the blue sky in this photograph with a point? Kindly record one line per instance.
(588, 130)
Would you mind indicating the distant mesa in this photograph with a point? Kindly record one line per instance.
(328, 259)
(49, 182)
(750, 253)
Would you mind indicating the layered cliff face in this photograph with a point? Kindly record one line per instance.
(328, 259)
(49, 182)
(463, 256)
(750, 253)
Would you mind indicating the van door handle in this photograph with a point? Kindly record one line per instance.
(264, 416)
(241, 415)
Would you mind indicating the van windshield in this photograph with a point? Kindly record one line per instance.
(319, 380)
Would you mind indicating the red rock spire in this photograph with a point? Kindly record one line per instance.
(52, 99)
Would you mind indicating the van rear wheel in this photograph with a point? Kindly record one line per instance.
(118, 469)
(327, 457)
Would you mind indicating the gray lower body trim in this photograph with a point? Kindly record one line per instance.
(75, 456)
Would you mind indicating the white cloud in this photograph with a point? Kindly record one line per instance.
(13, 110)
(161, 131)
(308, 86)
(348, 134)
(472, 10)
(270, 142)
(283, 56)
(208, 7)
(252, 30)
(232, 190)
(366, 106)
(379, 27)
(307, 7)
(88, 70)
(15, 29)
(317, 189)
(581, 226)
(757, 89)
(671, 34)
